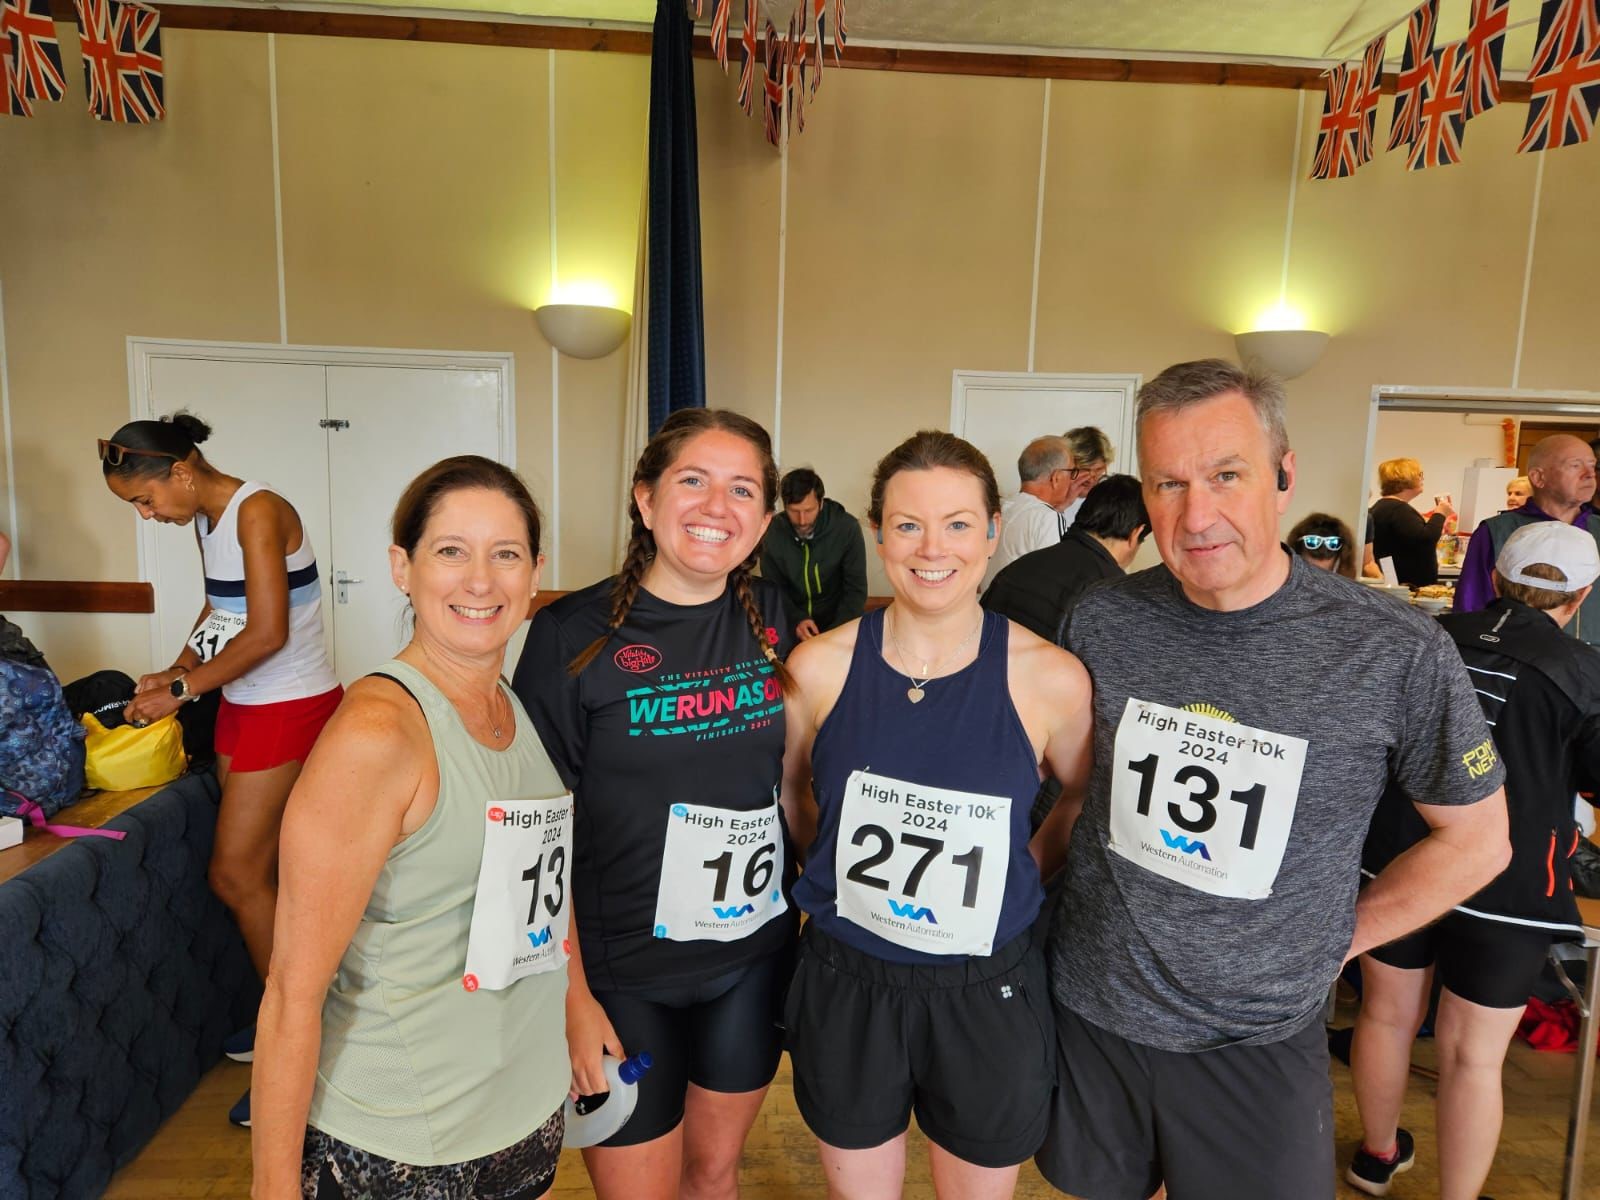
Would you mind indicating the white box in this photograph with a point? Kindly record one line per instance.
(1483, 493)
(10, 832)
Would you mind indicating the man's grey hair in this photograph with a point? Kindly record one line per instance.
(1188, 383)
(1042, 456)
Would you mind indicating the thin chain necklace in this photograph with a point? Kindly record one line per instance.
(915, 692)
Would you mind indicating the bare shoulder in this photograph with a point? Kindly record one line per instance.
(1044, 670)
(377, 722)
(267, 514)
(825, 658)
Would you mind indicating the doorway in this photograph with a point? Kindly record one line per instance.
(339, 433)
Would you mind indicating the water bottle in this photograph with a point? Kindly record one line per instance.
(592, 1119)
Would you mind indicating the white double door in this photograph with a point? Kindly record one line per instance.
(340, 441)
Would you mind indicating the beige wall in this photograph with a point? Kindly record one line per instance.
(416, 214)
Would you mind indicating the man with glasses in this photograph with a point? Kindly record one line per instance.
(1091, 456)
(1561, 469)
(1029, 520)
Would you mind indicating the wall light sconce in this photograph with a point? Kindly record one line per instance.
(582, 330)
(1280, 343)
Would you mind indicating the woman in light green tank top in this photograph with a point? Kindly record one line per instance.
(411, 1039)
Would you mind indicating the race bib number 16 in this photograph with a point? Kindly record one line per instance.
(1202, 799)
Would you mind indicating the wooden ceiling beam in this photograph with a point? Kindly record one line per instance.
(528, 36)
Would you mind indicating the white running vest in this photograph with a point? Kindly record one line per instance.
(300, 669)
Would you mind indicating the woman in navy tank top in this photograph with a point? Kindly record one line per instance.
(921, 732)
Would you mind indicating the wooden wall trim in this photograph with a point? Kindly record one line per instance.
(552, 595)
(62, 595)
(487, 32)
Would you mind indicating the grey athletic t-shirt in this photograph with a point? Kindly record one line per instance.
(1212, 876)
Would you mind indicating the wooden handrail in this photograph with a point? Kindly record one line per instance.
(75, 596)
(550, 597)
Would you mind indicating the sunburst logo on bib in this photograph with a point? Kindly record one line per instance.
(1209, 710)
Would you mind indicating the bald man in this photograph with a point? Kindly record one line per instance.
(1561, 469)
(1028, 520)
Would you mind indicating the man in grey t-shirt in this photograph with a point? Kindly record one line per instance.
(1249, 711)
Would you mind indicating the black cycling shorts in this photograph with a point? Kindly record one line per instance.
(1491, 963)
(967, 1045)
(721, 1035)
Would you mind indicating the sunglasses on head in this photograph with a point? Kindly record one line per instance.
(112, 454)
(1319, 541)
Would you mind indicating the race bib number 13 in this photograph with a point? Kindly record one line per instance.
(521, 914)
(1202, 799)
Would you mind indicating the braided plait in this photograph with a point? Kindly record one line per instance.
(739, 577)
(641, 549)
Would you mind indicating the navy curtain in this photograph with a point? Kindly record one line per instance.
(677, 353)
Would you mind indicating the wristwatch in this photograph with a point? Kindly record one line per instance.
(180, 688)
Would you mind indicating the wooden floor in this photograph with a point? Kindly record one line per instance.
(197, 1153)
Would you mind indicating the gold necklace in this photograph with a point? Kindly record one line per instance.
(915, 692)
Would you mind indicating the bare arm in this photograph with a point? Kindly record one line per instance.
(1064, 696)
(590, 1033)
(1466, 847)
(370, 780)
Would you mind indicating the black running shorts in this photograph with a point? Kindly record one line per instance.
(1237, 1123)
(1490, 963)
(721, 1035)
(967, 1046)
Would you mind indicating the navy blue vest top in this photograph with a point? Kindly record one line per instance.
(965, 735)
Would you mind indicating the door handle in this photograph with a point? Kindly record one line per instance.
(341, 587)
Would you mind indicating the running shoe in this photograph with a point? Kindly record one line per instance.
(241, 1047)
(1370, 1174)
(239, 1114)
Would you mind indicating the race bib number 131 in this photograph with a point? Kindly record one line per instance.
(1203, 800)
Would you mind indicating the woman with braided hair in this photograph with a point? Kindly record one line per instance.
(659, 693)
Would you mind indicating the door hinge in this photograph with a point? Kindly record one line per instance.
(333, 423)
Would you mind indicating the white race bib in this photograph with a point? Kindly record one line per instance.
(521, 915)
(721, 873)
(922, 867)
(216, 631)
(1203, 800)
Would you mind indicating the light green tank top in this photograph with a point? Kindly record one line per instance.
(414, 1067)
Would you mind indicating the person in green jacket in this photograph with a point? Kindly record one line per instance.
(815, 553)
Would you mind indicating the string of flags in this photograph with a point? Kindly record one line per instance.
(1438, 90)
(123, 72)
(789, 61)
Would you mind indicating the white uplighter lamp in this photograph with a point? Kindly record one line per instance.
(1282, 347)
(582, 330)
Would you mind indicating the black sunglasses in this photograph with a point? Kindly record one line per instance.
(112, 454)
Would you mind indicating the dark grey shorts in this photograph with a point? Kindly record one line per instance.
(1239, 1123)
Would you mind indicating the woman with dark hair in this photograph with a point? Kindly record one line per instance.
(259, 639)
(660, 692)
(921, 731)
(1325, 541)
(411, 1031)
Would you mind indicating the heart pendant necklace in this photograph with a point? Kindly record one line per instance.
(917, 690)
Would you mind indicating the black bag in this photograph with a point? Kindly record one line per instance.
(1585, 867)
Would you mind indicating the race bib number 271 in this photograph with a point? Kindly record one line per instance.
(1203, 800)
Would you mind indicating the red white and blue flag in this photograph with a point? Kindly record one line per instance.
(772, 83)
(1413, 71)
(1486, 43)
(1369, 87)
(719, 31)
(1564, 78)
(1442, 119)
(747, 49)
(30, 55)
(1339, 133)
(819, 23)
(122, 67)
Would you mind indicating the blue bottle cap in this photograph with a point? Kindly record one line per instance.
(633, 1069)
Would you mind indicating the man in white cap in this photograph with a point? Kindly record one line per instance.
(1540, 691)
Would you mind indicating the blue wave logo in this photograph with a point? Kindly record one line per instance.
(738, 910)
(912, 912)
(541, 938)
(1177, 841)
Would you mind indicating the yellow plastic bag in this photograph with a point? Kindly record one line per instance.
(124, 758)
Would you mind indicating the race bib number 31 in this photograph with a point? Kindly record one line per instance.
(216, 631)
(1203, 800)
(521, 915)
(922, 867)
(721, 875)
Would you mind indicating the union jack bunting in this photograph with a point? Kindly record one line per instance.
(122, 69)
(819, 23)
(31, 55)
(1339, 133)
(747, 49)
(1413, 70)
(1564, 77)
(719, 30)
(1442, 119)
(772, 84)
(797, 76)
(1369, 88)
(839, 29)
(1486, 42)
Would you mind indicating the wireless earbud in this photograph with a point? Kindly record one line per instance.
(1283, 480)
(880, 535)
(991, 529)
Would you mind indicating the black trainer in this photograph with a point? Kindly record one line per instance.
(1370, 1174)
